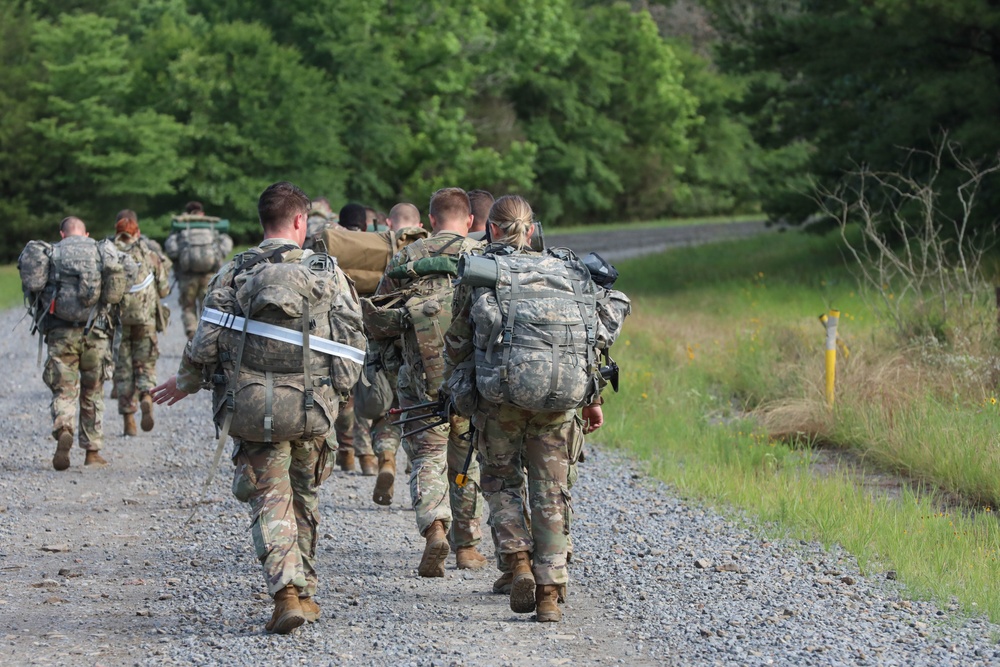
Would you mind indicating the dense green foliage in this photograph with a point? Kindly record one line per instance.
(851, 82)
(583, 106)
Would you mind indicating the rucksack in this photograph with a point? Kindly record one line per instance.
(197, 245)
(422, 306)
(536, 329)
(363, 256)
(69, 280)
(271, 390)
(140, 306)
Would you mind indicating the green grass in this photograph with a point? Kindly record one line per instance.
(717, 330)
(10, 287)
(651, 224)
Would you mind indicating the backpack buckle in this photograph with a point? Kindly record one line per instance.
(309, 399)
(230, 400)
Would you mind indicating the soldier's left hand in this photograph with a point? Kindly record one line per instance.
(593, 417)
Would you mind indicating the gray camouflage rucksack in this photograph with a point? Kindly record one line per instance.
(70, 279)
(538, 329)
(270, 390)
(197, 245)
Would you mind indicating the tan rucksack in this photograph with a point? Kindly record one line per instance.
(271, 390)
(363, 256)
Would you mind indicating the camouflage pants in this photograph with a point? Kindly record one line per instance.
(438, 456)
(74, 371)
(578, 440)
(135, 370)
(512, 441)
(191, 293)
(352, 432)
(385, 435)
(280, 481)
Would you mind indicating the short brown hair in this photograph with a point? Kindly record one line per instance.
(194, 207)
(480, 201)
(279, 203)
(449, 204)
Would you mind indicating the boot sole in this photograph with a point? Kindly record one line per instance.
(382, 495)
(60, 461)
(287, 622)
(522, 595)
(432, 562)
(147, 417)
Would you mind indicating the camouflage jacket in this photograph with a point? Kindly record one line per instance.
(421, 371)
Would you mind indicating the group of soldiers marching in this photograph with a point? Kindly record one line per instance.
(492, 350)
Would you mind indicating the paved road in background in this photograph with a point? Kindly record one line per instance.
(626, 243)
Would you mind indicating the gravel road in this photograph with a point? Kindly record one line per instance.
(628, 243)
(99, 568)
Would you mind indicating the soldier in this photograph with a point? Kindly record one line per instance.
(141, 318)
(354, 217)
(321, 217)
(197, 254)
(516, 429)
(353, 434)
(79, 282)
(403, 216)
(384, 434)
(281, 456)
(437, 454)
(481, 201)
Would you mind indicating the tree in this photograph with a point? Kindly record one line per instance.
(110, 151)
(857, 78)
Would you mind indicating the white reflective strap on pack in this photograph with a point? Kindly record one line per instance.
(146, 282)
(275, 332)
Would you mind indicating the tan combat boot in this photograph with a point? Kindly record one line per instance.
(468, 558)
(436, 551)
(345, 459)
(129, 420)
(64, 443)
(546, 604)
(310, 610)
(522, 585)
(382, 495)
(503, 583)
(287, 612)
(146, 405)
(369, 465)
(94, 458)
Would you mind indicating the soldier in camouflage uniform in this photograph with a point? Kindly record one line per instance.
(192, 287)
(140, 310)
(511, 441)
(437, 454)
(78, 357)
(280, 481)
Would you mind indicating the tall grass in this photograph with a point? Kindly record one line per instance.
(722, 396)
(10, 286)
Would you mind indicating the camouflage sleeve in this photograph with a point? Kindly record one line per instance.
(458, 339)
(160, 275)
(389, 285)
(190, 375)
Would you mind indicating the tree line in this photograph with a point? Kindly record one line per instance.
(584, 107)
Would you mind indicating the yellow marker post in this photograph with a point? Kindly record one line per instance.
(830, 322)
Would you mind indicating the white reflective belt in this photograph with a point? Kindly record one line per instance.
(147, 281)
(291, 336)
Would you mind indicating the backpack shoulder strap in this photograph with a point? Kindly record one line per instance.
(272, 255)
